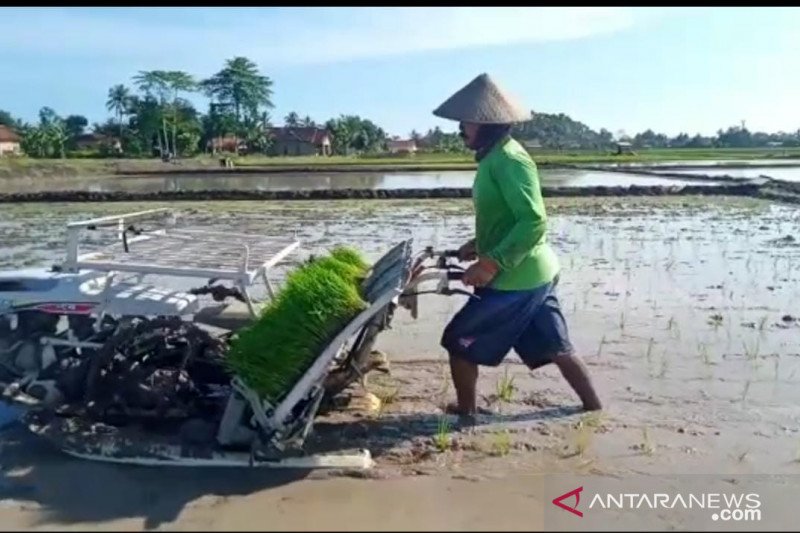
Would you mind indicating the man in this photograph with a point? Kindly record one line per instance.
(515, 272)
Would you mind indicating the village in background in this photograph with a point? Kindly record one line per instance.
(154, 119)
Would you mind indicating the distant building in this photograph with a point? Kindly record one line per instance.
(775, 144)
(98, 141)
(229, 143)
(532, 144)
(9, 142)
(399, 146)
(624, 148)
(300, 141)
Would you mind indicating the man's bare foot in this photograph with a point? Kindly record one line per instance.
(592, 407)
(452, 408)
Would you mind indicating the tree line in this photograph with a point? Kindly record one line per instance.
(152, 116)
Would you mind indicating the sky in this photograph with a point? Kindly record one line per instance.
(673, 70)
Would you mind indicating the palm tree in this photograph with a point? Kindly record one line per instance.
(155, 84)
(118, 102)
(292, 120)
(178, 81)
(240, 84)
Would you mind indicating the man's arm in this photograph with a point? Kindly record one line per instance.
(519, 184)
(467, 251)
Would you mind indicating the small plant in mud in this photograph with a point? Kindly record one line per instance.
(671, 323)
(762, 323)
(646, 446)
(501, 444)
(745, 391)
(622, 321)
(751, 353)
(387, 397)
(742, 456)
(506, 387)
(649, 353)
(442, 440)
(715, 320)
(664, 367)
(600, 346)
(702, 350)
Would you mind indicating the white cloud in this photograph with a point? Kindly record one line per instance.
(302, 35)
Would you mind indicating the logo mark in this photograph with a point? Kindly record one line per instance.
(574, 509)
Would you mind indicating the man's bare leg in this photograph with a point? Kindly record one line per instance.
(465, 380)
(576, 374)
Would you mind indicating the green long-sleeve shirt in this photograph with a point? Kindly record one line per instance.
(510, 218)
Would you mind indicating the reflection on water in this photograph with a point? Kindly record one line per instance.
(707, 163)
(315, 181)
(785, 174)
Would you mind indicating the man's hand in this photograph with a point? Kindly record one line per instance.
(467, 252)
(481, 273)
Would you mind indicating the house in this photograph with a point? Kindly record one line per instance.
(300, 141)
(229, 143)
(9, 141)
(625, 148)
(532, 144)
(398, 146)
(98, 141)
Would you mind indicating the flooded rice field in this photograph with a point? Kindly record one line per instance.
(685, 312)
(785, 174)
(683, 308)
(315, 181)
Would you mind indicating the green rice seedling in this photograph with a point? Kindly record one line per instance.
(506, 387)
(387, 398)
(351, 256)
(442, 440)
(702, 350)
(600, 346)
(797, 455)
(742, 456)
(745, 391)
(762, 323)
(592, 420)
(317, 301)
(647, 445)
(715, 320)
(664, 367)
(622, 321)
(501, 444)
(670, 323)
(751, 353)
(649, 353)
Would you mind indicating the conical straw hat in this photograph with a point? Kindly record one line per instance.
(481, 101)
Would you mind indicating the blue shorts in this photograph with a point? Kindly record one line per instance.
(530, 322)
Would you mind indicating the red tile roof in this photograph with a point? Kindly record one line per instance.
(310, 135)
(7, 135)
(396, 144)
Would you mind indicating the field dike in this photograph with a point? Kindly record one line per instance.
(769, 189)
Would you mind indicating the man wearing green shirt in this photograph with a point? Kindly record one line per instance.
(515, 271)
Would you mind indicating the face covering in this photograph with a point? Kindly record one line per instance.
(488, 136)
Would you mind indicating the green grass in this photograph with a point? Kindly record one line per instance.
(317, 301)
(24, 166)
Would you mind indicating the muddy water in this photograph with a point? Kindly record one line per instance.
(685, 312)
(315, 181)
